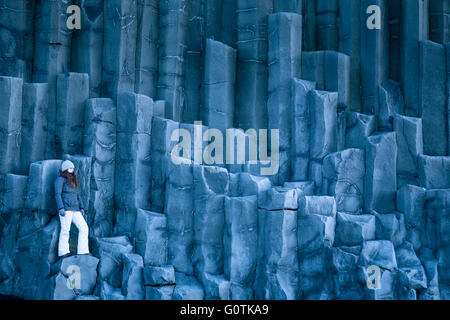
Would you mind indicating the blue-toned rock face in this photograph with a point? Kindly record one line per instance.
(227, 149)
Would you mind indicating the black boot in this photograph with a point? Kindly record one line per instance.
(65, 256)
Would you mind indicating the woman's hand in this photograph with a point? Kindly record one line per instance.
(62, 212)
(84, 214)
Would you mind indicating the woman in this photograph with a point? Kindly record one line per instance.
(70, 209)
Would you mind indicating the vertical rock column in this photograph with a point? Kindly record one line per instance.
(36, 252)
(211, 12)
(374, 56)
(240, 245)
(132, 180)
(100, 144)
(151, 237)
(391, 102)
(147, 47)
(350, 44)
(380, 184)
(395, 16)
(447, 55)
(316, 232)
(16, 32)
(432, 98)
(13, 198)
(251, 78)
(210, 186)
(437, 210)
(326, 25)
(51, 56)
(331, 72)
(294, 6)
(119, 48)
(10, 123)
(439, 21)
(194, 54)
(228, 19)
(411, 201)
(277, 270)
(179, 209)
(343, 175)
(410, 145)
(87, 44)
(40, 202)
(172, 54)
(72, 93)
(301, 124)
(323, 137)
(162, 146)
(358, 128)
(430, 172)
(309, 25)
(414, 28)
(219, 84)
(34, 124)
(285, 53)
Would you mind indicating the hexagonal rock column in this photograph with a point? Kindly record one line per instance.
(323, 138)
(410, 146)
(147, 48)
(87, 44)
(40, 203)
(374, 56)
(414, 28)
(100, 144)
(17, 26)
(316, 234)
(343, 174)
(240, 245)
(72, 93)
(34, 124)
(219, 85)
(210, 186)
(162, 145)
(349, 39)
(251, 77)
(132, 180)
(284, 54)
(52, 47)
(380, 184)
(301, 124)
(411, 201)
(151, 237)
(331, 72)
(432, 98)
(277, 264)
(119, 48)
(10, 123)
(179, 209)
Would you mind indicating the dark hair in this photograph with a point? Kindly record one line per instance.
(72, 180)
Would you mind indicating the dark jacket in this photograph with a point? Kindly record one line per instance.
(67, 198)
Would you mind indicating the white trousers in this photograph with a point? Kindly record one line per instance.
(83, 231)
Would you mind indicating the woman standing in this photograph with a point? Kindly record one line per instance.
(70, 209)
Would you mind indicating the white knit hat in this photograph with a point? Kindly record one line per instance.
(66, 165)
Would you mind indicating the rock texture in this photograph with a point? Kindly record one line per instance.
(359, 207)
